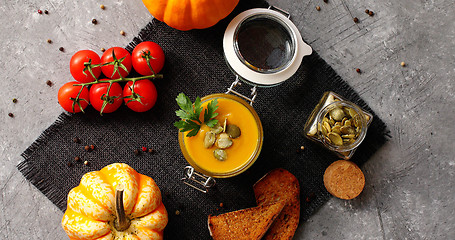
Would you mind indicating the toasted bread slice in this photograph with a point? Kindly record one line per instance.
(344, 179)
(250, 223)
(280, 185)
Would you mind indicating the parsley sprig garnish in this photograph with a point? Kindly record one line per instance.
(189, 113)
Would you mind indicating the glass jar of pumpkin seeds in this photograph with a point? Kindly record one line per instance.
(338, 124)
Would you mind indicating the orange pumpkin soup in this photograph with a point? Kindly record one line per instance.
(245, 148)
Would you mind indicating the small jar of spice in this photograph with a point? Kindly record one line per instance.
(338, 124)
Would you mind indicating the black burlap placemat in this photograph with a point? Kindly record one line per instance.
(195, 65)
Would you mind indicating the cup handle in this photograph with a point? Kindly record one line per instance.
(236, 83)
(192, 176)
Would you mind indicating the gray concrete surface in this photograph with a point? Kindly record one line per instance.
(410, 182)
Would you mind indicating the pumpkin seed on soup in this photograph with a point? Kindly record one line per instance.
(220, 154)
(233, 131)
(209, 139)
(223, 141)
(217, 129)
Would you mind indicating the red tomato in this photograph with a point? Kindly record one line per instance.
(155, 54)
(147, 95)
(68, 91)
(108, 57)
(78, 70)
(98, 96)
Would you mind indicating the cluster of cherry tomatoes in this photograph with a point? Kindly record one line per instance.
(106, 94)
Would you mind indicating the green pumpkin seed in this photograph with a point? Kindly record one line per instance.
(209, 139)
(220, 154)
(223, 141)
(335, 138)
(233, 131)
(337, 114)
(217, 129)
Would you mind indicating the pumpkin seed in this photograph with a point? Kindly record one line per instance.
(323, 130)
(217, 129)
(325, 119)
(328, 139)
(327, 126)
(233, 131)
(337, 114)
(348, 136)
(347, 130)
(336, 129)
(220, 154)
(343, 122)
(347, 123)
(223, 141)
(351, 112)
(335, 138)
(209, 139)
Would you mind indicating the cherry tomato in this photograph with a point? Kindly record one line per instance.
(68, 91)
(98, 96)
(78, 69)
(155, 54)
(147, 95)
(108, 57)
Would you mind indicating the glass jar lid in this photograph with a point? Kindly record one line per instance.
(263, 47)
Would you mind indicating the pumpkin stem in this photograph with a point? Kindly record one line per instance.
(121, 223)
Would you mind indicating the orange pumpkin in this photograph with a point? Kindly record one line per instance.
(190, 14)
(115, 203)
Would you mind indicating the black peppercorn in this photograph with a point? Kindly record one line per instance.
(14, 100)
(10, 114)
(94, 21)
(70, 164)
(371, 13)
(61, 49)
(76, 140)
(46, 12)
(136, 152)
(358, 70)
(356, 20)
(77, 159)
(49, 83)
(367, 11)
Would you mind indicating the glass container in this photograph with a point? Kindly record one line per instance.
(338, 124)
